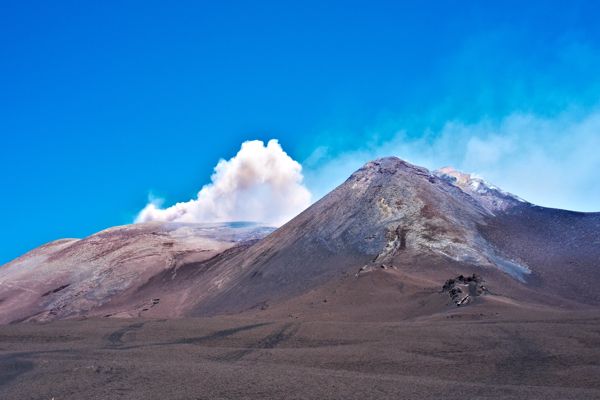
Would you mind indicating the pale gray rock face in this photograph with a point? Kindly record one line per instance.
(489, 196)
(423, 213)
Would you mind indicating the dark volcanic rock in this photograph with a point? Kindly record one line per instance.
(463, 289)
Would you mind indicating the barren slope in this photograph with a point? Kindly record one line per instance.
(101, 274)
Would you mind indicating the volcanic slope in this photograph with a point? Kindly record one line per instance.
(102, 274)
(387, 241)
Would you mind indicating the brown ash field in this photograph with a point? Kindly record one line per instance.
(463, 354)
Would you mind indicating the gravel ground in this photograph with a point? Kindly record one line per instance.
(235, 358)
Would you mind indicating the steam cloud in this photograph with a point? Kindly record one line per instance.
(260, 183)
(549, 160)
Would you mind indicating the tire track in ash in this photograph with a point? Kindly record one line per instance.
(268, 342)
(218, 334)
(115, 339)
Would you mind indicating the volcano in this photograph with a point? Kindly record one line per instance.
(400, 283)
(394, 241)
(383, 244)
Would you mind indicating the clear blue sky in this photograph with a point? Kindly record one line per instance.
(104, 102)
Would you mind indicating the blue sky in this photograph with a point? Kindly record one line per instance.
(103, 103)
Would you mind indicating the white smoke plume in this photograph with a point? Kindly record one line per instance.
(260, 183)
(551, 161)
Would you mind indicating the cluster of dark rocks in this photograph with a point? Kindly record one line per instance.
(463, 289)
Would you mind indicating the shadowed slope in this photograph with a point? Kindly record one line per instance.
(561, 247)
